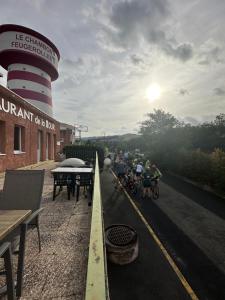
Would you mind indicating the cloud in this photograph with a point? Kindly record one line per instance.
(219, 91)
(211, 53)
(136, 60)
(183, 92)
(182, 52)
(190, 120)
(132, 22)
(198, 120)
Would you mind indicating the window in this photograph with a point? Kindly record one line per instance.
(48, 146)
(18, 139)
(2, 137)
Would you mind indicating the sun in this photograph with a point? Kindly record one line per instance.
(153, 92)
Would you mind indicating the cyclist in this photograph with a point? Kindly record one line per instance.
(134, 163)
(147, 164)
(139, 170)
(146, 181)
(130, 182)
(121, 172)
(156, 175)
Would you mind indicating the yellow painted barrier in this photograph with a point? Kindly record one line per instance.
(97, 280)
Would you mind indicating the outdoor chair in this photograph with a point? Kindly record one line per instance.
(22, 190)
(61, 180)
(6, 254)
(85, 181)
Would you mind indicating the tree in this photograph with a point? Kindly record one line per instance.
(220, 120)
(158, 122)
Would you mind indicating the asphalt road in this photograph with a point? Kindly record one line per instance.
(189, 223)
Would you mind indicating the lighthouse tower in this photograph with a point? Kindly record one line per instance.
(32, 63)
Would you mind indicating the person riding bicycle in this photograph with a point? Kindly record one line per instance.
(156, 174)
(121, 172)
(139, 170)
(128, 177)
(146, 181)
(134, 163)
(147, 164)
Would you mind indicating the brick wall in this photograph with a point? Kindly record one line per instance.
(65, 137)
(8, 158)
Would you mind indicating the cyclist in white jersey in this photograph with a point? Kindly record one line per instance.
(139, 169)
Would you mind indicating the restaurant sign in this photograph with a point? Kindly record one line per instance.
(13, 109)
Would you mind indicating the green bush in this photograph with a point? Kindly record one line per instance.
(218, 168)
(200, 166)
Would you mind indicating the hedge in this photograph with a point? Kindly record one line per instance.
(85, 152)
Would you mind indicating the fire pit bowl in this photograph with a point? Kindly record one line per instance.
(121, 244)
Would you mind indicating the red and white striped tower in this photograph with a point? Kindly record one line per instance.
(32, 63)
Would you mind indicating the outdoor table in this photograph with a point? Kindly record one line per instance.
(73, 172)
(9, 221)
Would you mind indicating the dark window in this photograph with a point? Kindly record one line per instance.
(2, 137)
(18, 138)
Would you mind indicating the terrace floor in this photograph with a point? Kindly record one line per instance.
(59, 270)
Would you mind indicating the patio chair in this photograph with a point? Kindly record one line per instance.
(61, 180)
(6, 254)
(23, 190)
(85, 181)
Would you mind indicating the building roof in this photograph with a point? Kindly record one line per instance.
(64, 126)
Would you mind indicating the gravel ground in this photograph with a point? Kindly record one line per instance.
(59, 270)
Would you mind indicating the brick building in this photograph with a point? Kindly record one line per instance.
(67, 135)
(27, 134)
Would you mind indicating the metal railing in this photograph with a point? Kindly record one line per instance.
(97, 279)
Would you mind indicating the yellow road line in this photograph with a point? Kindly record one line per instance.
(164, 251)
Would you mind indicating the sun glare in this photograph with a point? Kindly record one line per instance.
(153, 92)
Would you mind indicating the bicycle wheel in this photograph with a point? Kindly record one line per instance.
(134, 189)
(155, 192)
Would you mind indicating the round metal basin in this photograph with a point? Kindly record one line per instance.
(121, 244)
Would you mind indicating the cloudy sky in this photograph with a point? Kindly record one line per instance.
(113, 50)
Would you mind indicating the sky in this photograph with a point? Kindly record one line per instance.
(112, 51)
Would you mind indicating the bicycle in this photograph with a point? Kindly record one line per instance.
(119, 182)
(155, 190)
(132, 186)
